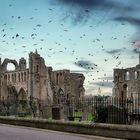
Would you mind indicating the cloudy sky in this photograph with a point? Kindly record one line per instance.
(87, 36)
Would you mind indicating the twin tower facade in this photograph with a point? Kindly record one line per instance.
(38, 81)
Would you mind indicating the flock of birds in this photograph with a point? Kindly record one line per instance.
(90, 68)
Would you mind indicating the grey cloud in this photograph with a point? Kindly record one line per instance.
(134, 21)
(104, 84)
(136, 50)
(114, 51)
(107, 78)
(81, 71)
(87, 65)
(86, 3)
(83, 10)
(95, 3)
(131, 20)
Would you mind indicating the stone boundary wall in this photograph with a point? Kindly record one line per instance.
(105, 130)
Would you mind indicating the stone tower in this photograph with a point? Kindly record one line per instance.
(37, 77)
(22, 64)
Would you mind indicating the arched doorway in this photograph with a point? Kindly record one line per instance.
(12, 100)
(22, 96)
(61, 96)
(125, 90)
(12, 93)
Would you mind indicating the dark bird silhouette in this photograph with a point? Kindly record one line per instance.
(23, 46)
(119, 63)
(49, 21)
(34, 44)
(17, 35)
(50, 9)
(87, 10)
(38, 25)
(3, 30)
(19, 17)
(31, 18)
(4, 35)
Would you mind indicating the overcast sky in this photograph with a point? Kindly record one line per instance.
(87, 36)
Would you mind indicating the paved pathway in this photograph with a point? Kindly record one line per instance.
(10, 132)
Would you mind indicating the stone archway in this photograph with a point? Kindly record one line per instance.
(12, 93)
(6, 61)
(60, 91)
(61, 96)
(22, 96)
(125, 90)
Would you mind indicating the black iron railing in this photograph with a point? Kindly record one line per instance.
(96, 109)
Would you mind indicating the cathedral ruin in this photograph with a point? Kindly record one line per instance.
(38, 81)
(127, 82)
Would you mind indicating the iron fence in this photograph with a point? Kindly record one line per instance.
(96, 109)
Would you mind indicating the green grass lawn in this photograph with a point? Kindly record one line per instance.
(77, 115)
(90, 116)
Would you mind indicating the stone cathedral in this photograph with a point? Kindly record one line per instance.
(38, 81)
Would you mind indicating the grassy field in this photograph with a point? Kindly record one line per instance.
(78, 114)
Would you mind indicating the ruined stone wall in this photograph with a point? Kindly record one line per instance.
(61, 86)
(68, 84)
(77, 89)
(39, 81)
(17, 78)
(127, 82)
